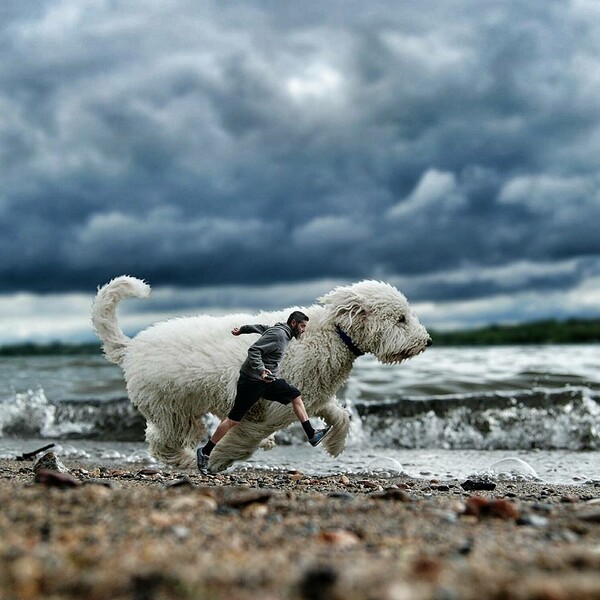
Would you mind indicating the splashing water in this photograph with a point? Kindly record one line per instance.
(27, 413)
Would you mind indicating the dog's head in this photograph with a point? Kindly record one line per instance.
(378, 319)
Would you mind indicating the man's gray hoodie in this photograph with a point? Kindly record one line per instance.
(268, 350)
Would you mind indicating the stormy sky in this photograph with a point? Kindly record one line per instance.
(250, 155)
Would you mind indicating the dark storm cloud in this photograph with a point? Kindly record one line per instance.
(229, 143)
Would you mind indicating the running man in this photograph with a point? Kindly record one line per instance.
(258, 379)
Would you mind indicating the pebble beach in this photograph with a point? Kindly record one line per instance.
(71, 530)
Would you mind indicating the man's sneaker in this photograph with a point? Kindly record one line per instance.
(202, 461)
(319, 436)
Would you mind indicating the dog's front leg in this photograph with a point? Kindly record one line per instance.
(238, 444)
(333, 414)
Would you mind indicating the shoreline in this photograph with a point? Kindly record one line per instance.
(550, 466)
(141, 532)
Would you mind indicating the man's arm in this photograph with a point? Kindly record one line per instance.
(249, 329)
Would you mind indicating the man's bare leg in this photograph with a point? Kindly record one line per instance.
(299, 409)
(224, 426)
(203, 453)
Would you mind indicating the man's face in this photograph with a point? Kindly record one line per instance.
(298, 328)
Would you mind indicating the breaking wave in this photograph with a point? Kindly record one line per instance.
(31, 414)
(566, 418)
(543, 419)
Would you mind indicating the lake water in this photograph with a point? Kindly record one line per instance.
(448, 413)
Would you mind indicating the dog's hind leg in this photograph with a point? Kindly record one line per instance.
(238, 444)
(333, 414)
(175, 449)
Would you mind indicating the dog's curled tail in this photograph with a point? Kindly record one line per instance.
(104, 314)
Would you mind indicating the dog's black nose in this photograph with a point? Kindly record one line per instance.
(429, 341)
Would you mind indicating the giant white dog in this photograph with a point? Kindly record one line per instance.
(181, 369)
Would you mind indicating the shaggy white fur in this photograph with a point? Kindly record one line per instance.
(181, 369)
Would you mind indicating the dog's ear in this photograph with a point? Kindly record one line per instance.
(345, 302)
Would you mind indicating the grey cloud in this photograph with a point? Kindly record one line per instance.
(211, 144)
(505, 281)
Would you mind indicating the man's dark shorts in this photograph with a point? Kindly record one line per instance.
(249, 391)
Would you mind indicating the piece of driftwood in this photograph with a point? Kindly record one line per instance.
(34, 453)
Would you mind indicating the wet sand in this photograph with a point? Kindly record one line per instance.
(140, 533)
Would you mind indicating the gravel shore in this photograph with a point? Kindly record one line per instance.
(141, 533)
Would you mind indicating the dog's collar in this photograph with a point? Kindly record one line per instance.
(349, 343)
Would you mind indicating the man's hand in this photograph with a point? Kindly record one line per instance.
(267, 376)
(236, 331)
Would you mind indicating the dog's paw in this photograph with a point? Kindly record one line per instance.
(217, 464)
(334, 444)
(268, 443)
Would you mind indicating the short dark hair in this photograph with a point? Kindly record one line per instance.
(297, 316)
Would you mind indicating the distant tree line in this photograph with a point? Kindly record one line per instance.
(53, 348)
(572, 331)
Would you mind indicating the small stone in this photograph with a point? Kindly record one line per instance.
(149, 472)
(341, 495)
(119, 473)
(469, 518)
(392, 494)
(536, 521)
(466, 546)
(184, 503)
(504, 509)
(225, 510)
(478, 484)
(566, 535)
(344, 480)
(180, 532)
(251, 497)
(482, 507)
(160, 519)
(445, 515)
(458, 507)
(542, 507)
(340, 537)
(427, 568)
(202, 501)
(206, 502)
(181, 482)
(255, 511)
(590, 516)
(369, 484)
(50, 462)
(148, 584)
(56, 479)
(318, 583)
